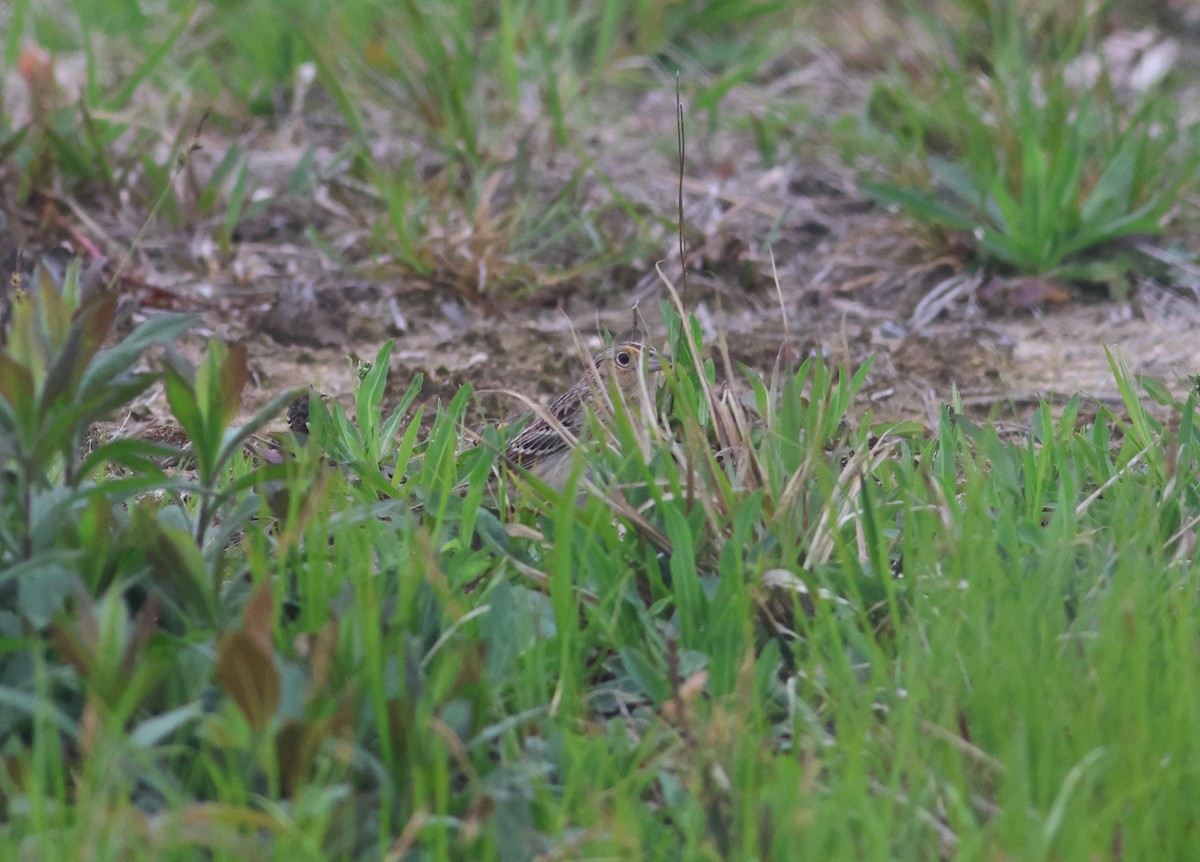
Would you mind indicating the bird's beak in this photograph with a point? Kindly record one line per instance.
(653, 361)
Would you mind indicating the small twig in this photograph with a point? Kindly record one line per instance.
(681, 138)
(940, 298)
(787, 332)
(181, 163)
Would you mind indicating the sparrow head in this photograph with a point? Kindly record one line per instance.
(621, 363)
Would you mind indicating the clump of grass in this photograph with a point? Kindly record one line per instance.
(1043, 170)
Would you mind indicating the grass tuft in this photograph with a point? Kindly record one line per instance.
(1043, 168)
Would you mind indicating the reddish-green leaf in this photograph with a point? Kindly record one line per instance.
(259, 615)
(16, 387)
(233, 379)
(248, 674)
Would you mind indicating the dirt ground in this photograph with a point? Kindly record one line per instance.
(924, 321)
(792, 252)
(839, 276)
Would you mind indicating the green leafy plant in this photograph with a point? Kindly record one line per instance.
(1038, 168)
(205, 400)
(364, 442)
(56, 381)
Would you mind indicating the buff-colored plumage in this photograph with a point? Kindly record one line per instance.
(540, 447)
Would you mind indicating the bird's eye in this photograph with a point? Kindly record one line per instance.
(623, 358)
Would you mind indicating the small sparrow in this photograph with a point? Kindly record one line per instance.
(540, 447)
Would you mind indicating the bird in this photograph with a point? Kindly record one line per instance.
(541, 447)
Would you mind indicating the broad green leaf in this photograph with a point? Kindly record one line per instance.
(651, 680)
(183, 399)
(153, 730)
(921, 204)
(43, 586)
(115, 360)
(138, 455)
(370, 391)
(88, 331)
